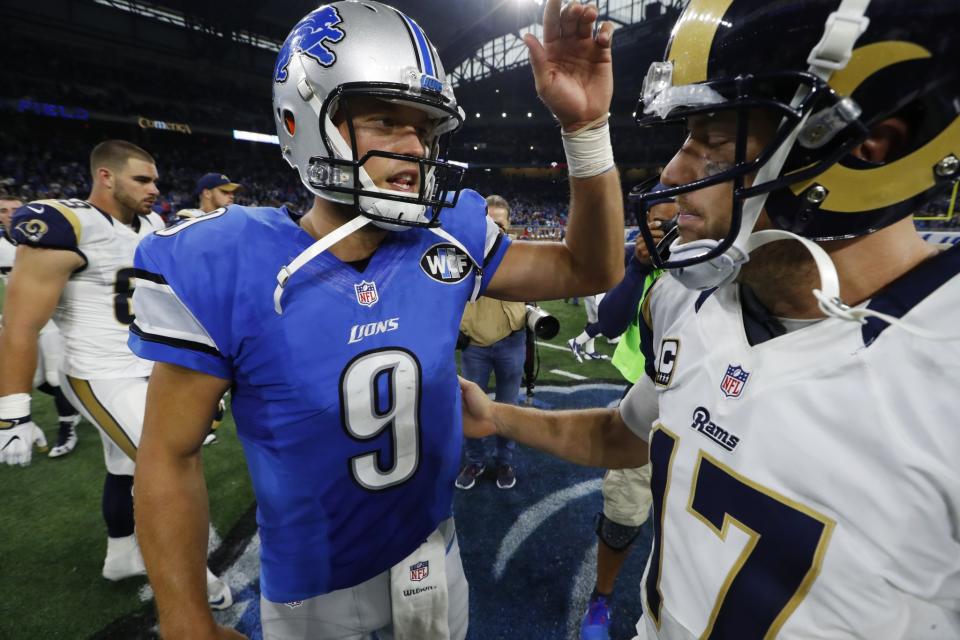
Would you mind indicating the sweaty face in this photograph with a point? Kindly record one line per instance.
(395, 128)
(709, 149)
(7, 207)
(135, 186)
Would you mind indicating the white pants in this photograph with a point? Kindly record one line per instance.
(49, 355)
(116, 407)
(356, 612)
(592, 304)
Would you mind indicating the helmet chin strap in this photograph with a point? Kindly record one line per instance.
(311, 252)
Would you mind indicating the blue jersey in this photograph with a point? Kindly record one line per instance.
(347, 404)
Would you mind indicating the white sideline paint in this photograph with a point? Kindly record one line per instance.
(553, 346)
(531, 519)
(567, 374)
(583, 584)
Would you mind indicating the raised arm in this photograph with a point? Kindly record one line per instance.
(33, 290)
(170, 497)
(574, 78)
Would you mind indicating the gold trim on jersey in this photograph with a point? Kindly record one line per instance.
(655, 615)
(100, 415)
(67, 213)
(693, 38)
(812, 573)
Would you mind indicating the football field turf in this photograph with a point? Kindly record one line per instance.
(54, 536)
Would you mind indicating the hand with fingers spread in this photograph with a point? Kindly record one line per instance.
(573, 69)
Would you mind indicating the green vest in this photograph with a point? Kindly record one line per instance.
(628, 357)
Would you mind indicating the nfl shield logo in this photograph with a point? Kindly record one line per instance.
(420, 570)
(366, 293)
(733, 381)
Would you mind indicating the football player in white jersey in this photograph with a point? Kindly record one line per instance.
(800, 415)
(49, 349)
(75, 263)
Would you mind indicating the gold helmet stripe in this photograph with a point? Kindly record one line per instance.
(693, 38)
(859, 190)
(870, 59)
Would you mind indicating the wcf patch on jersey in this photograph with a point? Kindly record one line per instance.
(446, 263)
(366, 293)
(734, 380)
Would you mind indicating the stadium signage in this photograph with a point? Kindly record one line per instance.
(52, 110)
(147, 123)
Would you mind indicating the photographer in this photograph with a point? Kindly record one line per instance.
(496, 335)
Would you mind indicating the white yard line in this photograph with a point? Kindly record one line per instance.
(553, 346)
(567, 374)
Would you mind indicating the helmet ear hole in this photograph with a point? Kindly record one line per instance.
(289, 122)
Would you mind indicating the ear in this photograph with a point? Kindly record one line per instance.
(887, 140)
(105, 177)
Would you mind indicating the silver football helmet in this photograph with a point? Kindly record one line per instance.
(363, 47)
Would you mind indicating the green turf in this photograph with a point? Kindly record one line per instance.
(55, 539)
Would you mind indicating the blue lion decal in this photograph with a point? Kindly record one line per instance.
(311, 36)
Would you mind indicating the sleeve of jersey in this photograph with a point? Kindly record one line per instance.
(179, 317)
(639, 408)
(50, 225)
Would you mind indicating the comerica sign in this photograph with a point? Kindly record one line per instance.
(147, 123)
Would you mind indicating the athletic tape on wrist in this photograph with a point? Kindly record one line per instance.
(588, 150)
(15, 405)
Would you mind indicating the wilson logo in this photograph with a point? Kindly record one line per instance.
(446, 263)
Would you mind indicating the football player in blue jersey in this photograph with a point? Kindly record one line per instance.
(336, 331)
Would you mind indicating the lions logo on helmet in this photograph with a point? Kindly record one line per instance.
(311, 36)
(397, 64)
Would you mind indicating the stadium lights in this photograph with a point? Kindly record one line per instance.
(477, 114)
(529, 114)
(251, 136)
(504, 114)
(475, 147)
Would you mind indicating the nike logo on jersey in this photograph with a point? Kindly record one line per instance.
(360, 331)
(703, 424)
(35, 209)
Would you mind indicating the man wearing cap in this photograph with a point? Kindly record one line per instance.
(214, 191)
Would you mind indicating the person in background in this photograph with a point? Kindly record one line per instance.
(214, 191)
(497, 344)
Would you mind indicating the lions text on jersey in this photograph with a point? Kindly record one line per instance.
(94, 312)
(804, 486)
(347, 404)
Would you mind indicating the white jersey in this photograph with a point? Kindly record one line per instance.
(807, 486)
(94, 312)
(8, 252)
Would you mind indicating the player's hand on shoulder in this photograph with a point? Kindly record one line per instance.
(477, 411)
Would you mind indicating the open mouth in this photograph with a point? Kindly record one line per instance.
(406, 181)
